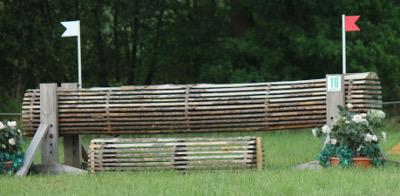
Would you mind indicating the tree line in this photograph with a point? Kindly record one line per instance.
(140, 42)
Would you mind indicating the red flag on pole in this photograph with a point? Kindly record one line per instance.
(350, 23)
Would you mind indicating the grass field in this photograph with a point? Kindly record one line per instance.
(283, 150)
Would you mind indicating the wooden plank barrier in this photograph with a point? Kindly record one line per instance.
(121, 154)
(198, 108)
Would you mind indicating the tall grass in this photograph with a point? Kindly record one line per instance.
(283, 150)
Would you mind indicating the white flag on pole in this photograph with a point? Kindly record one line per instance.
(72, 28)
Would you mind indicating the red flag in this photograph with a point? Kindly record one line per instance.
(350, 23)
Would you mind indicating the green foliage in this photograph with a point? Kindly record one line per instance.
(11, 139)
(324, 158)
(16, 159)
(345, 155)
(155, 42)
(283, 151)
(352, 135)
(11, 142)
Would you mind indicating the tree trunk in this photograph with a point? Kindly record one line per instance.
(18, 84)
(241, 18)
(116, 44)
(133, 61)
(99, 45)
(156, 44)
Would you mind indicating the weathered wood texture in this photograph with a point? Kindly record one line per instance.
(49, 116)
(32, 149)
(333, 99)
(72, 143)
(118, 154)
(199, 107)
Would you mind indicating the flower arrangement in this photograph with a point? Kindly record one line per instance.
(11, 142)
(352, 135)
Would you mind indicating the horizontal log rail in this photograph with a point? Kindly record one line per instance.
(196, 108)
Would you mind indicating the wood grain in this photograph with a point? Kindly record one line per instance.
(199, 108)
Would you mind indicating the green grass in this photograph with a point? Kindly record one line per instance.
(283, 150)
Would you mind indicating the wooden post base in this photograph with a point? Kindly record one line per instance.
(58, 169)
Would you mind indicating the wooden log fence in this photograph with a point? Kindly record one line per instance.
(183, 154)
(199, 108)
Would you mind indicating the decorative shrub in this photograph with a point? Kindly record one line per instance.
(352, 135)
(11, 142)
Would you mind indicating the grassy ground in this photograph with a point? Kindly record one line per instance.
(283, 150)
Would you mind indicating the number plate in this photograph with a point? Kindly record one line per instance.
(334, 83)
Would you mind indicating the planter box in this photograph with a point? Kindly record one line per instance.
(358, 161)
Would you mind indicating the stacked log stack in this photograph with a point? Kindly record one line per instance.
(199, 108)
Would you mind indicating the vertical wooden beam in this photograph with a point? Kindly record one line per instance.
(92, 158)
(49, 116)
(259, 153)
(72, 143)
(335, 94)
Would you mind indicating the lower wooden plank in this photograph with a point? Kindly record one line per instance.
(176, 158)
(100, 153)
(124, 150)
(241, 166)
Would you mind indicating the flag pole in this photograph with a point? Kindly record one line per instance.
(73, 28)
(343, 44)
(79, 55)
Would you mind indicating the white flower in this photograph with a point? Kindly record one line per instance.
(380, 113)
(349, 105)
(11, 141)
(374, 138)
(12, 124)
(325, 129)
(314, 132)
(368, 137)
(357, 118)
(2, 125)
(363, 115)
(365, 120)
(333, 141)
(384, 135)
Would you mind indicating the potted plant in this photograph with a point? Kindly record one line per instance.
(11, 154)
(352, 138)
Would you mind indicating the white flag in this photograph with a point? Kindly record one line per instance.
(72, 28)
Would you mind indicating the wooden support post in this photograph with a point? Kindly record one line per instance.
(72, 151)
(92, 162)
(72, 143)
(49, 116)
(32, 150)
(259, 153)
(334, 96)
